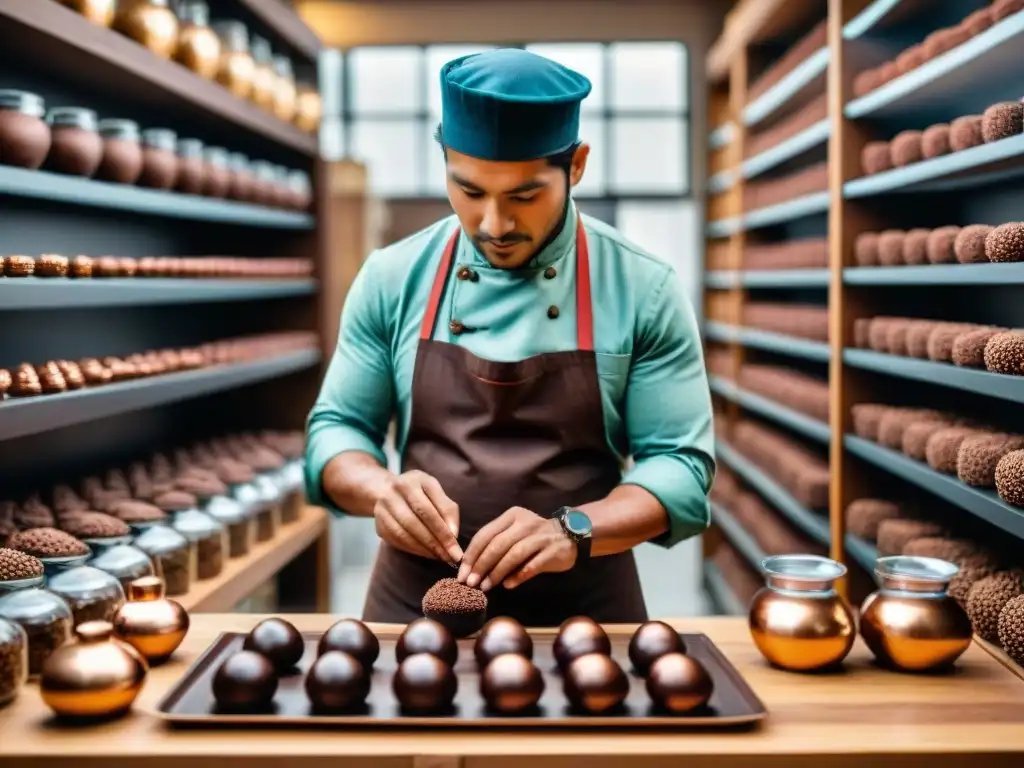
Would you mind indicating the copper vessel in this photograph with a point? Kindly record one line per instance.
(149, 622)
(236, 68)
(911, 623)
(198, 46)
(797, 620)
(285, 94)
(308, 109)
(264, 79)
(150, 23)
(98, 676)
(97, 11)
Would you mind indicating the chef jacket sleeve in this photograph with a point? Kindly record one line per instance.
(357, 399)
(668, 412)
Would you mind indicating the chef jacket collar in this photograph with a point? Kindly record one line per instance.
(561, 246)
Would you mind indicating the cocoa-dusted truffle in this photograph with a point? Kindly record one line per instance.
(940, 547)
(1010, 478)
(866, 417)
(940, 341)
(980, 454)
(865, 249)
(203, 487)
(965, 132)
(895, 423)
(943, 448)
(19, 266)
(15, 565)
(969, 245)
(1011, 629)
(916, 436)
(175, 501)
(861, 332)
(944, 40)
(978, 21)
(878, 333)
(896, 338)
(969, 348)
(865, 82)
(941, 245)
(51, 380)
(912, 58)
(1004, 353)
(917, 338)
(972, 570)
(915, 246)
(133, 511)
(33, 514)
(72, 374)
(935, 141)
(1002, 9)
(875, 157)
(894, 535)
(906, 148)
(52, 265)
(890, 247)
(863, 516)
(1001, 121)
(1005, 243)
(986, 599)
(95, 525)
(26, 382)
(47, 542)
(462, 609)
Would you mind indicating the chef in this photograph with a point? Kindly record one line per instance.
(544, 375)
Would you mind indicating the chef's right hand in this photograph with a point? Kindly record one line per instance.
(414, 514)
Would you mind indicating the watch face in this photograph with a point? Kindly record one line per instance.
(577, 522)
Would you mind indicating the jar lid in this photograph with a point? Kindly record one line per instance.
(119, 129)
(14, 585)
(216, 156)
(86, 582)
(73, 117)
(262, 53)
(161, 539)
(160, 138)
(22, 101)
(190, 148)
(195, 525)
(227, 510)
(233, 35)
(299, 181)
(34, 606)
(264, 171)
(283, 67)
(194, 12)
(238, 162)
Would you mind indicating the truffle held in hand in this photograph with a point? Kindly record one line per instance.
(986, 599)
(1005, 243)
(353, 637)
(501, 635)
(595, 683)
(245, 682)
(511, 683)
(424, 683)
(578, 636)
(279, 641)
(651, 641)
(1004, 353)
(1010, 478)
(679, 683)
(461, 609)
(1011, 629)
(337, 681)
(427, 636)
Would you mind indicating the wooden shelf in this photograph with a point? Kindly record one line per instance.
(806, 140)
(49, 36)
(937, 274)
(738, 536)
(772, 342)
(65, 293)
(807, 76)
(34, 415)
(981, 382)
(721, 595)
(287, 24)
(768, 278)
(243, 575)
(798, 422)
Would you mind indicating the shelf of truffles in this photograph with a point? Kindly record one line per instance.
(80, 267)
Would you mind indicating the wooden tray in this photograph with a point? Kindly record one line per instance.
(190, 701)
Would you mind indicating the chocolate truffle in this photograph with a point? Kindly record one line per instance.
(965, 132)
(941, 548)
(511, 683)
(894, 535)
(6, 380)
(1005, 243)
(1004, 353)
(595, 683)
(866, 418)
(650, 641)
(911, 59)
(19, 266)
(33, 514)
(969, 348)
(578, 636)
(245, 682)
(1002, 9)
(941, 243)
(26, 382)
(940, 341)
(51, 380)
(890, 247)
(134, 511)
(973, 569)
(986, 599)
(424, 683)
(861, 332)
(427, 636)
(337, 681)
(915, 438)
(980, 454)
(906, 148)
(944, 40)
(865, 82)
(501, 635)
(895, 423)
(865, 249)
(935, 141)
(875, 157)
(51, 265)
(978, 22)
(47, 542)
(679, 683)
(95, 525)
(277, 640)
(460, 608)
(16, 565)
(1011, 628)
(863, 516)
(969, 245)
(353, 637)
(1009, 479)
(80, 266)
(943, 448)
(896, 336)
(1001, 121)
(915, 246)
(72, 374)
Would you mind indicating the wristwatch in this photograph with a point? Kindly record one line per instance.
(577, 527)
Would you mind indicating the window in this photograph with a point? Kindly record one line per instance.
(636, 117)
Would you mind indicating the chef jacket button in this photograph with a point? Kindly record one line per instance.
(552, 311)
(456, 327)
(550, 273)
(465, 273)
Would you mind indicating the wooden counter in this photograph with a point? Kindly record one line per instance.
(839, 720)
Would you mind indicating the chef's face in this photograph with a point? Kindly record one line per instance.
(510, 209)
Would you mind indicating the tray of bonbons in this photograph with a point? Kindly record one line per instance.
(421, 674)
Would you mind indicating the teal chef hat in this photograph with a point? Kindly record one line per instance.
(510, 105)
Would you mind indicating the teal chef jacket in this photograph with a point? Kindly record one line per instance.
(657, 405)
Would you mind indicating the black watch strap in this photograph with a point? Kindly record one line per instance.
(579, 533)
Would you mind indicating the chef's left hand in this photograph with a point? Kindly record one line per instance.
(514, 547)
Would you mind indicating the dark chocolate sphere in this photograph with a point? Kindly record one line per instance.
(279, 641)
(679, 683)
(424, 683)
(595, 683)
(337, 680)
(511, 683)
(427, 636)
(650, 641)
(501, 635)
(578, 636)
(352, 637)
(245, 681)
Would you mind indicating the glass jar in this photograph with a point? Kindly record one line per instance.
(285, 93)
(92, 594)
(300, 193)
(150, 23)
(291, 480)
(13, 660)
(264, 79)
(263, 186)
(218, 173)
(124, 562)
(236, 519)
(308, 108)
(159, 161)
(53, 566)
(236, 68)
(76, 147)
(209, 537)
(174, 558)
(268, 515)
(97, 11)
(241, 177)
(191, 167)
(122, 151)
(24, 134)
(44, 616)
(198, 47)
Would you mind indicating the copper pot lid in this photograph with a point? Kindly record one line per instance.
(915, 574)
(802, 573)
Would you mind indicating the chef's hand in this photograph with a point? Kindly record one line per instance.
(514, 547)
(414, 514)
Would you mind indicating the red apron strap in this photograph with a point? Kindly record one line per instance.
(584, 310)
(430, 316)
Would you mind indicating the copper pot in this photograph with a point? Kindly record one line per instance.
(149, 622)
(198, 46)
(236, 68)
(97, 11)
(797, 620)
(264, 79)
(98, 676)
(150, 23)
(911, 623)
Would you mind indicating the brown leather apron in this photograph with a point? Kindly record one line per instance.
(498, 435)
